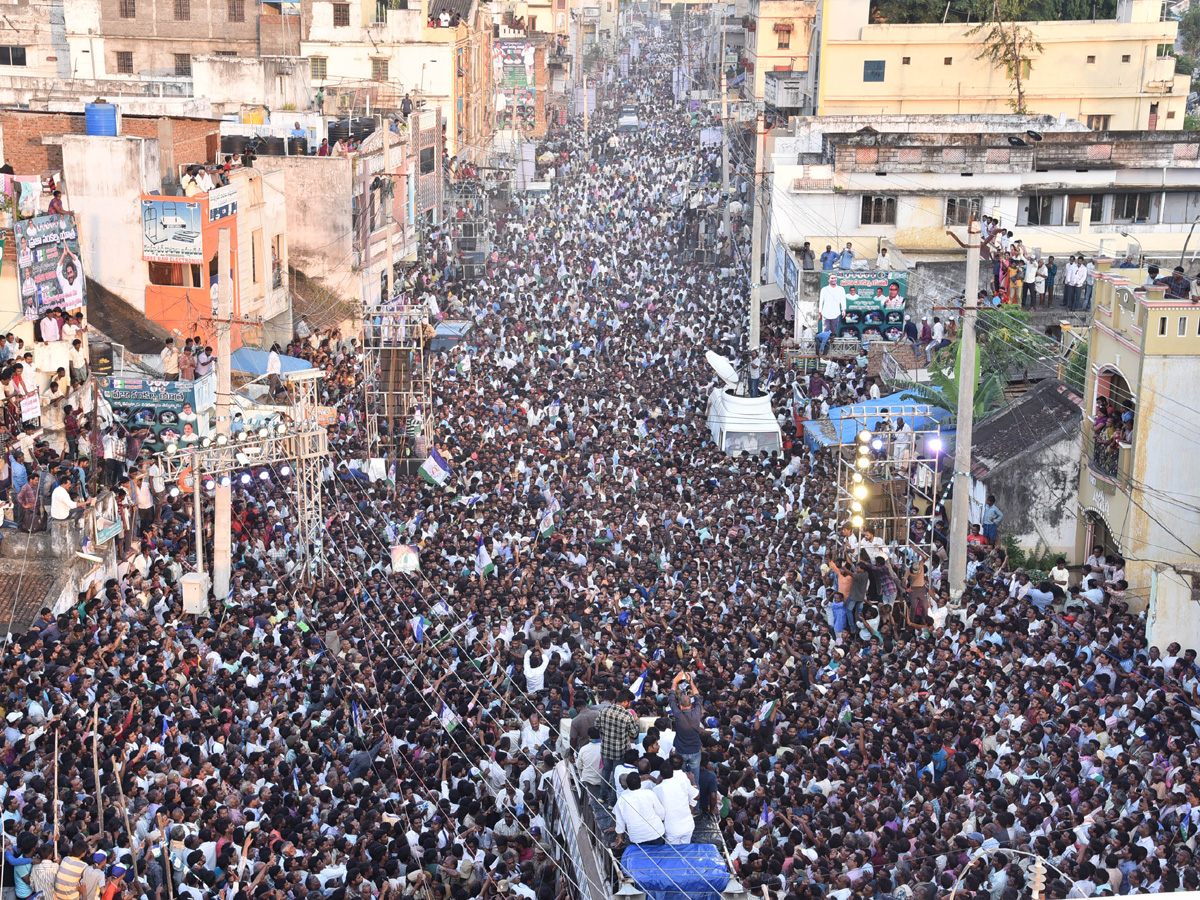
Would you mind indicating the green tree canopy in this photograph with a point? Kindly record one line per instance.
(923, 12)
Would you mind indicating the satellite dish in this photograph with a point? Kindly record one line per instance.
(1016, 141)
(723, 367)
(1034, 136)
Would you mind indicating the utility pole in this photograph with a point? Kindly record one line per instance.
(760, 140)
(585, 107)
(222, 500)
(966, 407)
(388, 197)
(725, 137)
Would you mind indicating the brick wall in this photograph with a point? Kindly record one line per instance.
(23, 132)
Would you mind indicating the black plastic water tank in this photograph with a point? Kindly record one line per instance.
(234, 143)
(297, 146)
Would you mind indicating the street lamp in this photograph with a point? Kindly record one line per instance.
(1183, 252)
(1126, 234)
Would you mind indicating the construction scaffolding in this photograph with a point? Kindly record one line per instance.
(467, 215)
(397, 391)
(889, 486)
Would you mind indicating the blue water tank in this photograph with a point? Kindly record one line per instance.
(100, 118)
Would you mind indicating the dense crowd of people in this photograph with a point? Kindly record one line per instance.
(593, 562)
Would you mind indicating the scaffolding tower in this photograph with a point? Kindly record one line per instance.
(398, 389)
(890, 485)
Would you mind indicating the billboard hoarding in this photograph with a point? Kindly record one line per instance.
(875, 303)
(171, 230)
(222, 202)
(49, 273)
(173, 411)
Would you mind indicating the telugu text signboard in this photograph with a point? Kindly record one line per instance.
(171, 230)
(173, 411)
(49, 272)
(874, 303)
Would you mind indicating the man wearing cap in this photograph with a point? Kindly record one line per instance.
(93, 876)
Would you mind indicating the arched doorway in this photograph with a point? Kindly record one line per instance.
(1098, 534)
(1113, 415)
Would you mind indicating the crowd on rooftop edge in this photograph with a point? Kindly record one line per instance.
(364, 735)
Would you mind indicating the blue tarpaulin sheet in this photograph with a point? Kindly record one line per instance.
(677, 872)
(254, 362)
(840, 428)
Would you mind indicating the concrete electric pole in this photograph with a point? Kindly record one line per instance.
(388, 192)
(759, 184)
(222, 495)
(966, 405)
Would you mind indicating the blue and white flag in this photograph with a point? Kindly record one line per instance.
(435, 470)
(639, 685)
(418, 627)
(483, 560)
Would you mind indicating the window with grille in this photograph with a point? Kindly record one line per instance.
(12, 56)
(183, 64)
(959, 210)
(237, 10)
(783, 40)
(318, 68)
(127, 9)
(124, 62)
(873, 69)
(1132, 207)
(1099, 123)
(341, 15)
(379, 70)
(183, 10)
(878, 210)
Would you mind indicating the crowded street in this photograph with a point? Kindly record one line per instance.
(593, 561)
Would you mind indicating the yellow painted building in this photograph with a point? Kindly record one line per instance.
(780, 42)
(1114, 75)
(1137, 491)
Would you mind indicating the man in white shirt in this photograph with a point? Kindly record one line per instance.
(588, 761)
(639, 814)
(677, 796)
(62, 507)
(832, 304)
(938, 340)
(169, 358)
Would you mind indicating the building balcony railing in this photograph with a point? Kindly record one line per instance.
(1109, 458)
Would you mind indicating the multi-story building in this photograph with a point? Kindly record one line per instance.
(338, 206)
(367, 55)
(900, 182)
(151, 38)
(778, 42)
(1137, 487)
(1114, 74)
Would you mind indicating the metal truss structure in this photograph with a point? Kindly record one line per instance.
(398, 389)
(887, 487)
(283, 449)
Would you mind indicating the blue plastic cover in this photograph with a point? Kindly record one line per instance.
(840, 428)
(677, 872)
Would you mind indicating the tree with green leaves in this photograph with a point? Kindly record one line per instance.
(1009, 44)
(1189, 32)
(944, 380)
(926, 12)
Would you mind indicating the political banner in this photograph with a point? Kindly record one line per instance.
(49, 273)
(791, 278)
(875, 303)
(31, 407)
(171, 230)
(175, 412)
(515, 85)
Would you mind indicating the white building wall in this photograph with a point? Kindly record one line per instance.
(107, 175)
